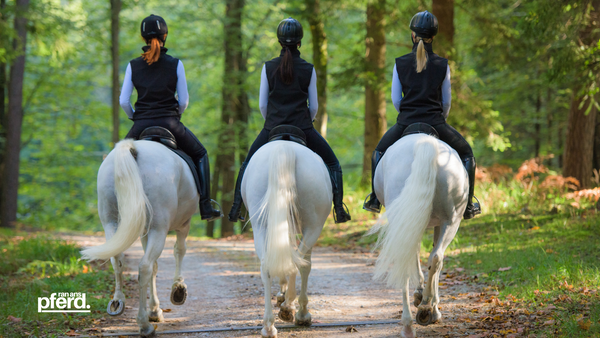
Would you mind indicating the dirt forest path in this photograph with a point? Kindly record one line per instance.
(225, 290)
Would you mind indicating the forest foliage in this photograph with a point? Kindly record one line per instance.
(515, 66)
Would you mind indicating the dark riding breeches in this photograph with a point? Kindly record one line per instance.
(314, 141)
(447, 134)
(186, 140)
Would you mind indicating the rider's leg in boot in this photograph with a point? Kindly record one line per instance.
(340, 215)
(372, 204)
(207, 212)
(472, 208)
(235, 213)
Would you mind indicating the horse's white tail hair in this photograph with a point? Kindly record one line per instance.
(402, 226)
(133, 203)
(279, 212)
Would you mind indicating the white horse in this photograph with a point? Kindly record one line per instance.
(144, 198)
(287, 191)
(423, 183)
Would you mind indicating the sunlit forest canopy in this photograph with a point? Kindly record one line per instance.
(516, 68)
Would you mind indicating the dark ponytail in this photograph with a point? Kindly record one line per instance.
(286, 66)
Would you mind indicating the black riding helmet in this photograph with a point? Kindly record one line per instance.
(289, 31)
(424, 24)
(154, 26)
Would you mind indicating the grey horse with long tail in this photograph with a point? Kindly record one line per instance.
(422, 183)
(287, 191)
(144, 190)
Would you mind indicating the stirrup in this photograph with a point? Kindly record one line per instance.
(238, 217)
(347, 213)
(474, 211)
(370, 208)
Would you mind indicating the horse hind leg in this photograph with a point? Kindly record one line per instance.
(428, 311)
(283, 286)
(288, 309)
(179, 288)
(116, 305)
(303, 317)
(156, 314)
(418, 294)
(155, 243)
(407, 329)
(268, 329)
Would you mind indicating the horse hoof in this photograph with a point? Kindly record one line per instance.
(417, 298)
(280, 299)
(286, 314)
(156, 316)
(407, 332)
(424, 315)
(305, 320)
(178, 294)
(269, 333)
(115, 307)
(148, 332)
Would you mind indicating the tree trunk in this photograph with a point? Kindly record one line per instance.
(234, 106)
(579, 147)
(444, 11)
(319, 47)
(2, 105)
(375, 122)
(14, 119)
(537, 125)
(115, 9)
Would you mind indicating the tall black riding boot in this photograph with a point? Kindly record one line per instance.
(207, 212)
(372, 204)
(472, 208)
(340, 214)
(235, 213)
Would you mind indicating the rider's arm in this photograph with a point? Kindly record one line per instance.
(263, 98)
(446, 94)
(396, 90)
(126, 93)
(182, 92)
(313, 97)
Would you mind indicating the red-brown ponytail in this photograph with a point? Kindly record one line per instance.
(153, 54)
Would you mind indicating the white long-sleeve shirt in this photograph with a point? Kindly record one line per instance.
(263, 98)
(446, 92)
(182, 91)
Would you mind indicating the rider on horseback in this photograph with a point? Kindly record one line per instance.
(157, 76)
(421, 93)
(287, 83)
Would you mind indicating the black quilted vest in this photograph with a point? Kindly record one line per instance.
(156, 85)
(288, 103)
(422, 101)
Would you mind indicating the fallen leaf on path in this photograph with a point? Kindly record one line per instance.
(535, 228)
(505, 269)
(351, 329)
(167, 310)
(459, 269)
(72, 334)
(97, 297)
(478, 261)
(550, 322)
(14, 319)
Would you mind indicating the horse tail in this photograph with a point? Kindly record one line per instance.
(132, 201)
(407, 218)
(280, 205)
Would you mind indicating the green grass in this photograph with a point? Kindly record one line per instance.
(36, 266)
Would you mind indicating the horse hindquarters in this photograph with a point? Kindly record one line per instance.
(133, 204)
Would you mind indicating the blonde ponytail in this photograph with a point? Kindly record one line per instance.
(421, 53)
(153, 54)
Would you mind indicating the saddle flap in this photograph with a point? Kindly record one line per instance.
(287, 133)
(420, 128)
(159, 134)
